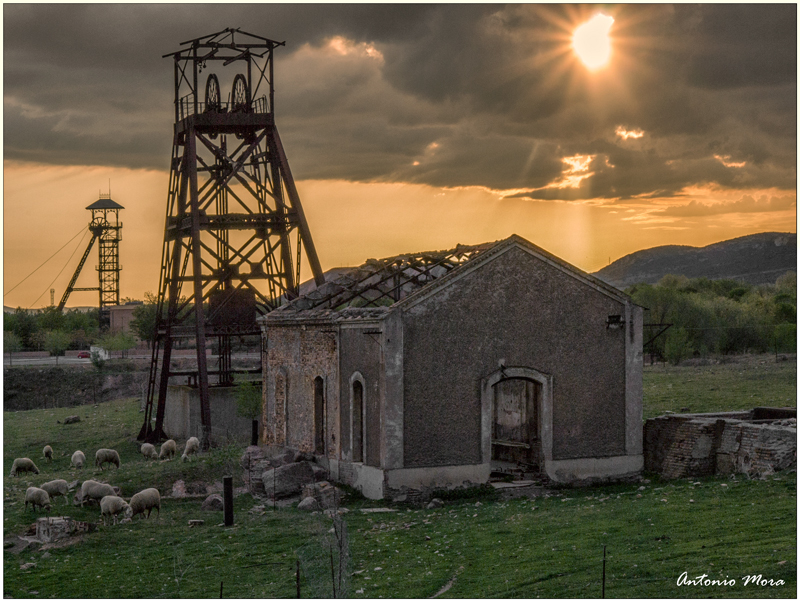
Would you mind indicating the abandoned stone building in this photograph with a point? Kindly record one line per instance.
(422, 370)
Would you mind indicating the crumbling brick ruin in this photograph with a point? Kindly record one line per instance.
(756, 442)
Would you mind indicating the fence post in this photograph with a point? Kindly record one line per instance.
(604, 573)
(227, 500)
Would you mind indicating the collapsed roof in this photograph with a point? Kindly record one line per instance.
(383, 282)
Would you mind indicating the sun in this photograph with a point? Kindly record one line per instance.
(591, 42)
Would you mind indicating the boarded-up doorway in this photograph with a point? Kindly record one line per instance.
(516, 410)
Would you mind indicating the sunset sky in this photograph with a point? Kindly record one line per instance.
(412, 127)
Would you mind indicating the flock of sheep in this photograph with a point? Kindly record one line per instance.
(111, 504)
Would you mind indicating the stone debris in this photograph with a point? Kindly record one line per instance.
(435, 503)
(252, 454)
(308, 503)
(60, 527)
(326, 495)
(289, 479)
(72, 419)
(19, 543)
(377, 510)
(213, 503)
(195, 522)
(178, 489)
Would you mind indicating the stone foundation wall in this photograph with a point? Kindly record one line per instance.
(182, 415)
(689, 446)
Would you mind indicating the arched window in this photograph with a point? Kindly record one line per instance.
(357, 412)
(319, 415)
(281, 424)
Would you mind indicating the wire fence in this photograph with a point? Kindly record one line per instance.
(325, 561)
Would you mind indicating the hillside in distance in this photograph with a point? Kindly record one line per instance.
(755, 259)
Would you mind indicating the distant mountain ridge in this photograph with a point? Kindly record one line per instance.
(755, 259)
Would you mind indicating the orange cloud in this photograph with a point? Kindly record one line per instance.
(625, 133)
(747, 204)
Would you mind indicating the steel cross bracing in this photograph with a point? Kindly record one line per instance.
(390, 279)
(235, 229)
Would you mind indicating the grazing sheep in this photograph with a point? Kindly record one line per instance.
(149, 451)
(168, 449)
(47, 452)
(146, 500)
(104, 456)
(37, 497)
(23, 465)
(78, 459)
(192, 447)
(92, 490)
(111, 505)
(56, 488)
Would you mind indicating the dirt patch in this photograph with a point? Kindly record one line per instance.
(14, 544)
(62, 543)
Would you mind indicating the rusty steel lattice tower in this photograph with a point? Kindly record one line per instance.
(235, 229)
(107, 230)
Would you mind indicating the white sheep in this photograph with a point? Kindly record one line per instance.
(192, 447)
(146, 500)
(104, 456)
(149, 451)
(168, 449)
(78, 459)
(47, 452)
(37, 497)
(111, 505)
(93, 490)
(56, 488)
(23, 465)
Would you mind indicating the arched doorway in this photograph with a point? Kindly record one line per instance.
(516, 418)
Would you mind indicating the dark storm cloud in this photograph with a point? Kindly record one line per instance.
(448, 95)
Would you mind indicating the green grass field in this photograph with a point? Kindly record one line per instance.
(544, 547)
(743, 382)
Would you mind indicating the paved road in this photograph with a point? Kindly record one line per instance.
(71, 361)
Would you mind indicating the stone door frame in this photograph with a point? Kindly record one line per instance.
(546, 407)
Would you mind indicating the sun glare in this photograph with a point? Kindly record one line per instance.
(591, 42)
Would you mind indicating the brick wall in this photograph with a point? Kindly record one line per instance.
(688, 446)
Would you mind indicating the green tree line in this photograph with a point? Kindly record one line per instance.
(55, 331)
(718, 316)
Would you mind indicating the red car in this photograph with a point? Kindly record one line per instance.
(84, 355)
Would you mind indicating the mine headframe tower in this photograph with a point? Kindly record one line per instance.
(235, 230)
(106, 229)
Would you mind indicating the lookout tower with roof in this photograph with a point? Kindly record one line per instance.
(107, 230)
(235, 230)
